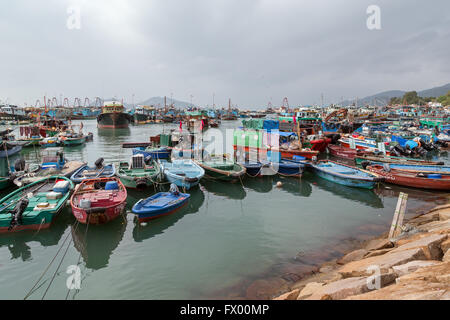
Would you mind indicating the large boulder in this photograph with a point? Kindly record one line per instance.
(430, 244)
(413, 266)
(384, 262)
(436, 226)
(445, 245)
(378, 244)
(348, 287)
(444, 215)
(352, 256)
(292, 295)
(309, 290)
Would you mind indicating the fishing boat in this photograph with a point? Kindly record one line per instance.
(419, 168)
(160, 204)
(99, 200)
(288, 167)
(70, 138)
(53, 164)
(97, 171)
(8, 150)
(155, 153)
(222, 169)
(344, 174)
(415, 179)
(360, 159)
(113, 116)
(184, 173)
(34, 206)
(139, 173)
(340, 151)
(89, 137)
(49, 142)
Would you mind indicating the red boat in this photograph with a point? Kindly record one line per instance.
(413, 179)
(342, 152)
(320, 144)
(286, 154)
(98, 201)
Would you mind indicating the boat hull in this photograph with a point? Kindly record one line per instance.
(161, 153)
(286, 154)
(74, 142)
(146, 215)
(113, 120)
(410, 179)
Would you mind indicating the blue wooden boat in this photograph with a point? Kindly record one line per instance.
(7, 150)
(253, 169)
(344, 174)
(184, 173)
(160, 204)
(155, 153)
(97, 171)
(288, 167)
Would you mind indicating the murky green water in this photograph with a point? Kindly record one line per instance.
(228, 236)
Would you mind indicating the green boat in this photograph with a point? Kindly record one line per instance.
(70, 138)
(30, 142)
(222, 169)
(138, 174)
(34, 206)
(5, 182)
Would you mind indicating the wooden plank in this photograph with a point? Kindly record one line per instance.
(399, 213)
(398, 230)
(135, 144)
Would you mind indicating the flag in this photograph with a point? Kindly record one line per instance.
(201, 127)
(181, 126)
(295, 120)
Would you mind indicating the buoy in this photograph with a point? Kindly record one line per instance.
(143, 224)
(279, 184)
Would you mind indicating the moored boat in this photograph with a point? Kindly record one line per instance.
(34, 206)
(223, 170)
(415, 179)
(184, 173)
(98, 171)
(98, 201)
(360, 159)
(113, 116)
(344, 174)
(155, 153)
(49, 142)
(139, 173)
(160, 204)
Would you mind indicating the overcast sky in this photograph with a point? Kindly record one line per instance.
(251, 51)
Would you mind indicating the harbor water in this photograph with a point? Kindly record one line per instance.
(228, 238)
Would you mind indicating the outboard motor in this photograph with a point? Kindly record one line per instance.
(174, 189)
(148, 160)
(19, 165)
(17, 213)
(99, 162)
(365, 164)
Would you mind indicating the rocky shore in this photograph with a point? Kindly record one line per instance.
(414, 265)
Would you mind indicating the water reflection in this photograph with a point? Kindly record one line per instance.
(262, 184)
(142, 232)
(110, 135)
(365, 196)
(96, 243)
(233, 191)
(17, 242)
(295, 186)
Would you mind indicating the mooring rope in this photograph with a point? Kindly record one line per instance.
(48, 267)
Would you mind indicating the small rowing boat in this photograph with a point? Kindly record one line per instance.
(139, 173)
(344, 174)
(99, 171)
(155, 153)
(160, 204)
(34, 206)
(223, 170)
(98, 201)
(359, 159)
(184, 173)
(415, 179)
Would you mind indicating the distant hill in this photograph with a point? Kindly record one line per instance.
(383, 98)
(159, 101)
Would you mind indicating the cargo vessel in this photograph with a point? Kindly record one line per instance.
(113, 116)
